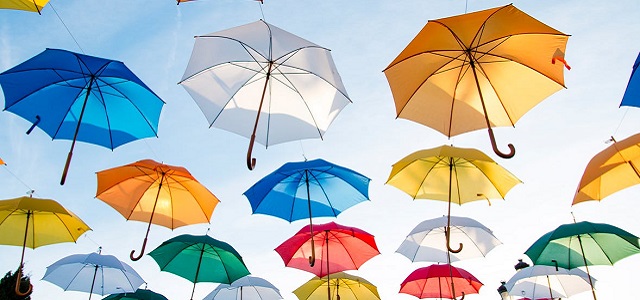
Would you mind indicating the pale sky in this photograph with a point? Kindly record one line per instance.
(554, 141)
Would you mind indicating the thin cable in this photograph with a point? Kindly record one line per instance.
(67, 28)
(621, 119)
(155, 155)
(302, 149)
(466, 5)
(261, 11)
(16, 177)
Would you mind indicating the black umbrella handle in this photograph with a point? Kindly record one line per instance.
(34, 125)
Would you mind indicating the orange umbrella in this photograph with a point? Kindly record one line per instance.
(160, 194)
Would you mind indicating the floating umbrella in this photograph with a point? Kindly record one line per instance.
(33, 222)
(632, 93)
(28, 5)
(139, 294)
(428, 240)
(84, 98)
(300, 190)
(478, 70)
(245, 288)
(264, 83)
(341, 286)
(156, 193)
(611, 170)
(440, 281)
(200, 258)
(540, 281)
(455, 175)
(93, 273)
(583, 244)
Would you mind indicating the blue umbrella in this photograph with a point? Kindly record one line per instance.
(632, 93)
(300, 190)
(79, 97)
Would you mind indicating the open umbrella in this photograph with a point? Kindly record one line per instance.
(28, 5)
(264, 83)
(440, 281)
(455, 175)
(84, 98)
(139, 294)
(428, 240)
(632, 93)
(33, 222)
(245, 288)
(341, 286)
(300, 190)
(156, 193)
(93, 273)
(200, 258)
(583, 244)
(615, 168)
(478, 70)
(341, 248)
(540, 281)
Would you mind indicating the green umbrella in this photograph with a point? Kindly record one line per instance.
(583, 244)
(139, 294)
(200, 259)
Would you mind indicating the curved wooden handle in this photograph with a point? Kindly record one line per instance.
(312, 258)
(448, 236)
(17, 289)
(512, 149)
(251, 162)
(136, 258)
(462, 296)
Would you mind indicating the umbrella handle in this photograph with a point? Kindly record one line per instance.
(136, 258)
(312, 258)
(66, 168)
(462, 296)
(34, 125)
(448, 236)
(512, 149)
(251, 162)
(17, 289)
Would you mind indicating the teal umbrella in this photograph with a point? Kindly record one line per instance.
(139, 294)
(583, 244)
(200, 258)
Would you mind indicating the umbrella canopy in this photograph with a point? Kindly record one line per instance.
(455, 175)
(74, 96)
(264, 83)
(440, 281)
(156, 193)
(427, 241)
(632, 93)
(541, 281)
(93, 273)
(245, 288)
(478, 70)
(341, 286)
(615, 168)
(139, 294)
(28, 5)
(341, 248)
(33, 222)
(200, 258)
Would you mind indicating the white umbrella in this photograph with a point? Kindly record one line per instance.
(245, 288)
(93, 273)
(264, 83)
(427, 241)
(540, 281)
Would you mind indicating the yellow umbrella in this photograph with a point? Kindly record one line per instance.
(156, 193)
(28, 5)
(613, 169)
(341, 286)
(455, 175)
(33, 222)
(478, 70)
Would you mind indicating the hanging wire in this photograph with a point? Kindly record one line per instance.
(67, 28)
(31, 191)
(261, 11)
(621, 120)
(302, 148)
(466, 5)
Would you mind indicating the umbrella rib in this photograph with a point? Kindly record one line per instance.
(433, 166)
(324, 192)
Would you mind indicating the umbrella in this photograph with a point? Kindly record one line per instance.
(74, 96)
(611, 170)
(200, 258)
(93, 273)
(245, 288)
(264, 83)
(156, 193)
(28, 5)
(583, 244)
(33, 222)
(299, 190)
(341, 286)
(455, 175)
(426, 242)
(632, 93)
(540, 281)
(440, 281)
(478, 70)
(139, 294)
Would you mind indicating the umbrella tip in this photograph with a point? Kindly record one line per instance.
(520, 265)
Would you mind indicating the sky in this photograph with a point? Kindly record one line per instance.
(554, 141)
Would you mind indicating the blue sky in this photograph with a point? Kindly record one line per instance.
(554, 141)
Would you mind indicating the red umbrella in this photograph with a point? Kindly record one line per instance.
(440, 281)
